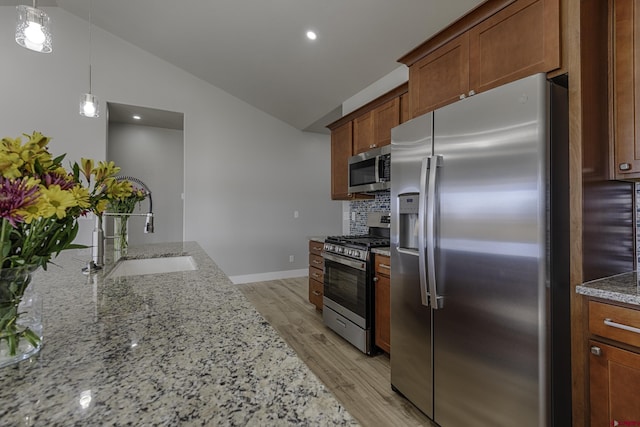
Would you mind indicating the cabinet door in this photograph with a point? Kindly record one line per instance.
(385, 117)
(520, 40)
(383, 303)
(626, 93)
(316, 291)
(341, 140)
(614, 385)
(441, 77)
(363, 133)
(383, 313)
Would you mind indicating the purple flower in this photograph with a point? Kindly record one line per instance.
(14, 195)
(64, 181)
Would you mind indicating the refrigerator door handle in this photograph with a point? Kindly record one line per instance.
(422, 262)
(435, 163)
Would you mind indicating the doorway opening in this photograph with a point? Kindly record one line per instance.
(148, 144)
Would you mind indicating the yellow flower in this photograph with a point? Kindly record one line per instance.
(56, 201)
(32, 212)
(120, 189)
(101, 206)
(10, 164)
(86, 166)
(105, 170)
(81, 195)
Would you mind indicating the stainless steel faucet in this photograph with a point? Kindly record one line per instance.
(98, 236)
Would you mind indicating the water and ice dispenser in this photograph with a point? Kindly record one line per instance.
(408, 216)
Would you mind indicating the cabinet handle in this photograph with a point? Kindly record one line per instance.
(613, 324)
(596, 351)
(388, 267)
(463, 96)
(315, 275)
(316, 293)
(472, 92)
(375, 279)
(624, 166)
(317, 262)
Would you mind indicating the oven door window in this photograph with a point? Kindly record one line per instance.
(346, 286)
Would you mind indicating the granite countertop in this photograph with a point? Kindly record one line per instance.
(382, 251)
(621, 287)
(182, 348)
(317, 238)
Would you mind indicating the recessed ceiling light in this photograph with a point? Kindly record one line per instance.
(136, 117)
(311, 35)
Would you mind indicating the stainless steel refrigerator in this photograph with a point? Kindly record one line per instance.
(479, 253)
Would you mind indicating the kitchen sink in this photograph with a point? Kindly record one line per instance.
(136, 267)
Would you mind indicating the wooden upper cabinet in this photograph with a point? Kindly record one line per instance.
(405, 108)
(373, 129)
(385, 117)
(341, 149)
(362, 133)
(496, 44)
(441, 77)
(520, 40)
(625, 98)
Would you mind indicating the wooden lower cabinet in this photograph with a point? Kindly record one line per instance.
(316, 274)
(614, 365)
(382, 302)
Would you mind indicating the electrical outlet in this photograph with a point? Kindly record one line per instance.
(290, 258)
(353, 216)
(296, 214)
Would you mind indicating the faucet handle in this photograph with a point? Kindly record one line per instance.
(148, 224)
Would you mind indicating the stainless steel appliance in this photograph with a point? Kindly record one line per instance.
(479, 250)
(370, 171)
(348, 282)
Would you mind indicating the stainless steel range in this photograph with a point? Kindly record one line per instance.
(348, 282)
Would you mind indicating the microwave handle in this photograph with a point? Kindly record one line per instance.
(377, 168)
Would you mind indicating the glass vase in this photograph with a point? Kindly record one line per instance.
(20, 315)
(121, 235)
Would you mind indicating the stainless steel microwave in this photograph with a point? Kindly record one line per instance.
(370, 171)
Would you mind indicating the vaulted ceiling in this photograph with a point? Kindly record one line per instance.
(257, 51)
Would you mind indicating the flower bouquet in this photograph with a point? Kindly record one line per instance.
(124, 206)
(40, 202)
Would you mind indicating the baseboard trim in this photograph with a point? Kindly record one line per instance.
(262, 277)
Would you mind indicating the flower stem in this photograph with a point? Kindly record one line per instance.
(3, 240)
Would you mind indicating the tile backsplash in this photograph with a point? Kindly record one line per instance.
(381, 203)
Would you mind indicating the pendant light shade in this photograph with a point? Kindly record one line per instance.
(33, 30)
(89, 105)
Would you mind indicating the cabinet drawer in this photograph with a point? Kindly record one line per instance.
(315, 247)
(316, 274)
(316, 261)
(316, 292)
(383, 264)
(614, 322)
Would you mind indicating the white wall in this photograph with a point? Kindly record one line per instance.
(245, 171)
(154, 156)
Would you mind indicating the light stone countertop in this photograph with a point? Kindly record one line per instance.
(621, 287)
(183, 348)
(382, 251)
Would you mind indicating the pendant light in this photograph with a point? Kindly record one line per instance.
(89, 105)
(33, 30)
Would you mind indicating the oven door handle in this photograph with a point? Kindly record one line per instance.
(359, 265)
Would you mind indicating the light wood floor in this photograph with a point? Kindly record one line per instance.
(360, 382)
